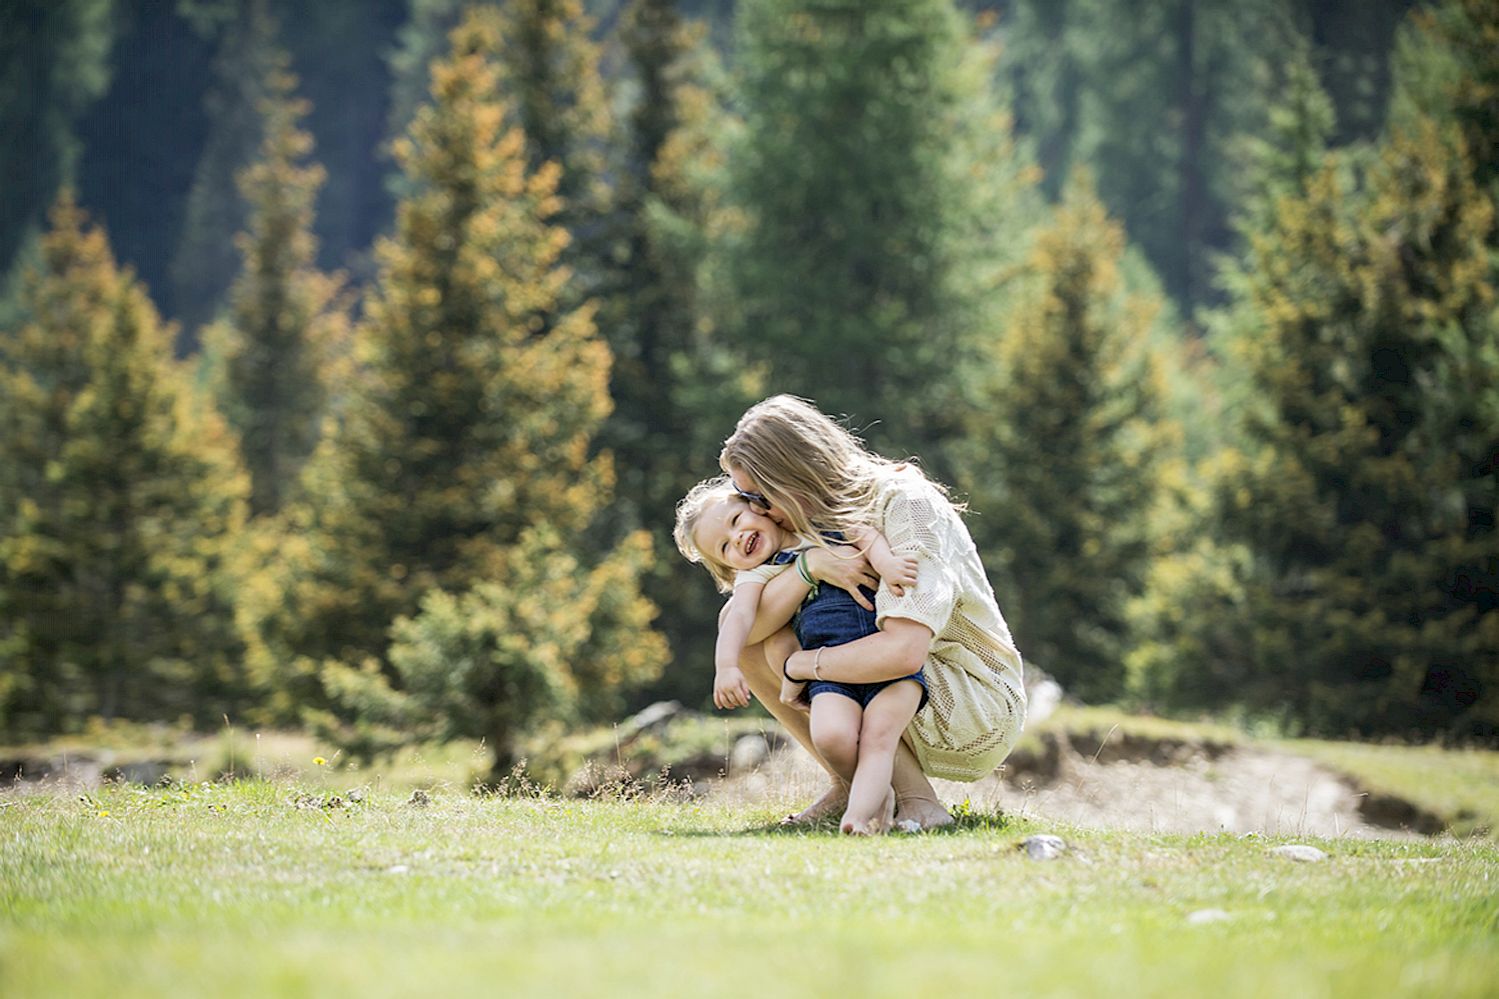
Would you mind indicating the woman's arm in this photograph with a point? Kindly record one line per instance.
(894, 652)
(845, 568)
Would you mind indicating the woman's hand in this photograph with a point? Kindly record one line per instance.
(845, 567)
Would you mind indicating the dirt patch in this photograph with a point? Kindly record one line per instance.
(1176, 788)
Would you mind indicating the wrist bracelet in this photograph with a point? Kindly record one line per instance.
(801, 570)
(817, 664)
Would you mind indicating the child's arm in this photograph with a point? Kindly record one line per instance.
(730, 690)
(898, 571)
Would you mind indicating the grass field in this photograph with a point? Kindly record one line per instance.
(267, 888)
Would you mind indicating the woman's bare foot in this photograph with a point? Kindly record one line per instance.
(833, 800)
(926, 813)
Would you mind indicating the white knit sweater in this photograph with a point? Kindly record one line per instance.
(973, 671)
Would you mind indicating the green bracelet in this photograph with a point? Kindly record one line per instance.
(801, 570)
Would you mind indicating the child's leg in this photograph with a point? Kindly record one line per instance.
(870, 797)
(835, 732)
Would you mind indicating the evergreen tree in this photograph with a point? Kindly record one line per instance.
(1299, 130)
(1067, 450)
(420, 40)
(1364, 498)
(119, 495)
(468, 426)
(1154, 98)
(676, 383)
(1193, 630)
(273, 353)
(339, 52)
(881, 196)
(54, 61)
(139, 157)
(550, 79)
(204, 262)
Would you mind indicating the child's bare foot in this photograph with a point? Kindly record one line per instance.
(834, 799)
(876, 826)
(926, 813)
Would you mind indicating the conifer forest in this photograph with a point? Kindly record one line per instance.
(354, 355)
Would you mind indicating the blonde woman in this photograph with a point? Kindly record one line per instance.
(811, 475)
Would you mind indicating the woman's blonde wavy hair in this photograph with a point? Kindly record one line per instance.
(809, 466)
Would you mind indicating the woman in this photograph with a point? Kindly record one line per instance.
(810, 474)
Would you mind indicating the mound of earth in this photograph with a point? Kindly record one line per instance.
(1153, 786)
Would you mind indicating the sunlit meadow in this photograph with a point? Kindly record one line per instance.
(300, 887)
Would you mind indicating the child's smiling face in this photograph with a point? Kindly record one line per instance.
(735, 535)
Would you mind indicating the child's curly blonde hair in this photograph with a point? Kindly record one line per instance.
(689, 513)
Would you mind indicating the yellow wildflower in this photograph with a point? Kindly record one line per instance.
(320, 761)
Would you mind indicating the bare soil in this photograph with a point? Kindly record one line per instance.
(1173, 789)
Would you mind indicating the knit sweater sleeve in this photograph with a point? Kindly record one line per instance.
(916, 520)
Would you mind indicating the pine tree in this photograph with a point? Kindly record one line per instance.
(676, 383)
(1155, 99)
(273, 354)
(1067, 450)
(54, 61)
(551, 81)
(1365, 319)
(204, 262)
(881, 196)
(468, 426)
(420, 40)
(119, 497)
(1192, 633)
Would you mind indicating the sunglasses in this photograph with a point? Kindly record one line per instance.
(753, 499)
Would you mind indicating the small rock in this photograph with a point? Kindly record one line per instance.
(1043, 847)
(397, 869)
(419, 798)
(355, 795)
(652, 716)
(1299, 851)
(1204, 916)
(748, 753)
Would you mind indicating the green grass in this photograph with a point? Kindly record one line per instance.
(254, 889)
(1111, 722)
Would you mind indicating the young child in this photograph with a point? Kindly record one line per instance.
(856, 732)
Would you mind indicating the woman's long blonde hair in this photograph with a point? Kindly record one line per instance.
(809, 466)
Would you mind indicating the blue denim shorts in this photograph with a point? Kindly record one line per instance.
(864, 692)
(830, 616)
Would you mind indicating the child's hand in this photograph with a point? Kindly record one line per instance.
(898, 572)
(730, 689)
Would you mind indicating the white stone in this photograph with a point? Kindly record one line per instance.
(1043, 847)
(1204, 916)
(748, 753)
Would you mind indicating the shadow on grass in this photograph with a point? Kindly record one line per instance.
(966, 821)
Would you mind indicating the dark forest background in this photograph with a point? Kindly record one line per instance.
(353, 355)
